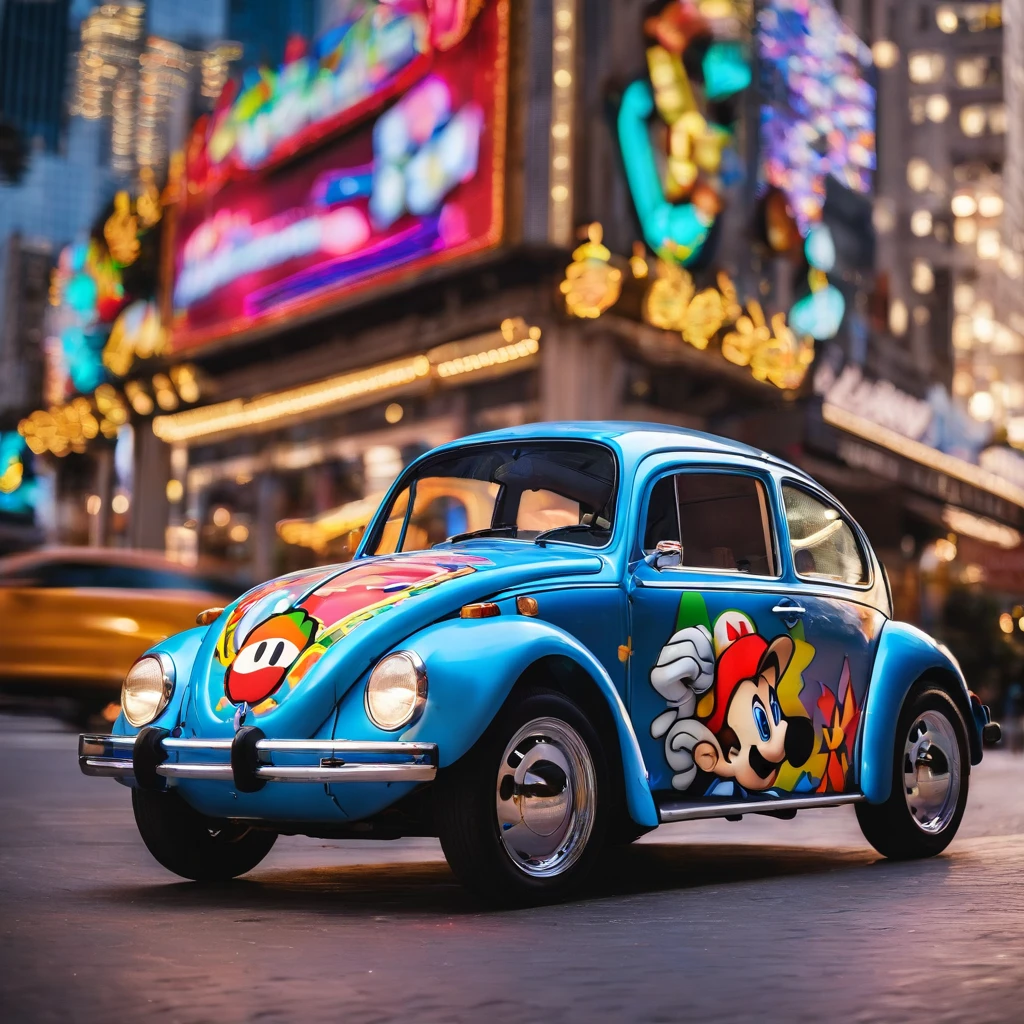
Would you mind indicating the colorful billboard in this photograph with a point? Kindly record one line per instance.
(402, 115)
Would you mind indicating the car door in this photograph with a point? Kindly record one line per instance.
(834, 579)
(728, 663)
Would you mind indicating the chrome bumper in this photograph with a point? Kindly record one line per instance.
(247, 760)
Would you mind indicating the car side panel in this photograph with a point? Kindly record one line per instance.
(905, 654)
(472, 666)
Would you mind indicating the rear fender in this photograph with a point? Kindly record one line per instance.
(905, 655)
(472, 666)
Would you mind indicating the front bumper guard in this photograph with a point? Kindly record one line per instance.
(247, 760)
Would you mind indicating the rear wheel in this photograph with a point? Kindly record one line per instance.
(193, 846)
(931, 765)
(523, 815)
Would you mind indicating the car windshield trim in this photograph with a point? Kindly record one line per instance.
(406, 482)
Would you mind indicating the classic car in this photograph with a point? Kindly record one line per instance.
(655, 625)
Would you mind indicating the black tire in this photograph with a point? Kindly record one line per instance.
(467, 795)
(892, 828)
(193, 846)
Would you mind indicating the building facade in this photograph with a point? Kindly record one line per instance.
(33, 68)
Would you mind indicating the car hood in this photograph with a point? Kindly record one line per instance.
(289, 649)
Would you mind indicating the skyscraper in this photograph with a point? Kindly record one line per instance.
(33, 67)
(263, 29)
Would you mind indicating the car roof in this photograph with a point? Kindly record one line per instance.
(634, 438)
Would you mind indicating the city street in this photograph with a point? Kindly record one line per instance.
(712, 921)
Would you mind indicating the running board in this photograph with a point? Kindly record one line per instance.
(690, 811)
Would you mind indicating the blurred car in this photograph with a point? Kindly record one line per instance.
(73, 620)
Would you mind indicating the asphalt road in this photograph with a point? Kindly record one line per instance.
(706, 921)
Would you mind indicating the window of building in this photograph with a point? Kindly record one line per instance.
(721, 520)
(824, 545)
(925, 66)
(972, 120)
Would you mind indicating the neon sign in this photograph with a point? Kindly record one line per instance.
(817, 121)
(18, 485)
(677, 209)
(408, 184)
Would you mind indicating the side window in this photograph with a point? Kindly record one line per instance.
(722, 521)
(824, 544)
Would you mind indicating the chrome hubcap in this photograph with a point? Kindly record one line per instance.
(931, 771)
(546, 792)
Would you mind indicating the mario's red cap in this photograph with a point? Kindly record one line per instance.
(739, 661)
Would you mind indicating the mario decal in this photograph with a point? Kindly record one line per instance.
(277, 632)
(735, 725)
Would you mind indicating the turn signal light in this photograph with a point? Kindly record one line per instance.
(527, 605)
(204, 618)
(481, 610)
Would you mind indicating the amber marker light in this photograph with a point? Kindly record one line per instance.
(527, 605)
(204, 618)
(480, 610)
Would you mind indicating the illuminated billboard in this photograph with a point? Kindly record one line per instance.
(399, 119)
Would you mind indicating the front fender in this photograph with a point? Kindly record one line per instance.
(472, 666)
(905, 654)
(183, 649)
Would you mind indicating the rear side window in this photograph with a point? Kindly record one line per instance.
(823, 543)
(720, 519)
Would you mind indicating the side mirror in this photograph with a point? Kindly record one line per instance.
(665, 550)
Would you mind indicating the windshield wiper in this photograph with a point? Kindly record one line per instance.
(507, 530)
(570, 528)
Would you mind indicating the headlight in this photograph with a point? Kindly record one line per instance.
(147, 688)
(396, 690)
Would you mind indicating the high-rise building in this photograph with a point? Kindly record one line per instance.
(264, 29)
(24, 281)
(1011, 257)
(33, 67)
(943, 123)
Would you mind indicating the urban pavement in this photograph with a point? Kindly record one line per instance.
(706, 921)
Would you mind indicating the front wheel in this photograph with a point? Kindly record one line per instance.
(193, 846)
(931, 765)
(522, 816)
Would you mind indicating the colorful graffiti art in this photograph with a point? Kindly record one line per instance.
(279, 631)
(736, 724)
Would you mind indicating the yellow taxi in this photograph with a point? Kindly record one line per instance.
(73, 620)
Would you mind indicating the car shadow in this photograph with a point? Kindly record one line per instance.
(429, 887)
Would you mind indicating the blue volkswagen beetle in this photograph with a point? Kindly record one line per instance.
(552, 638)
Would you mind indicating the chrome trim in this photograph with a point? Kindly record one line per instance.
(350, 773)
(168, 679)
(692, 811)
(421, 690)
(103, 757)
(178, 770)
(347, 746)
(793, 609)
(106, 767)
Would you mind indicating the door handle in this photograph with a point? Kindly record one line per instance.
(790, 609)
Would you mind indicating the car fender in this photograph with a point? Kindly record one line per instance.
(182, 649)
(905, 654)
(473, 664)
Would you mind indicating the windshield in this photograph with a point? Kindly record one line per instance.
(565, 490)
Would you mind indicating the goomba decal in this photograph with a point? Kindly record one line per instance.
(266, 655)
